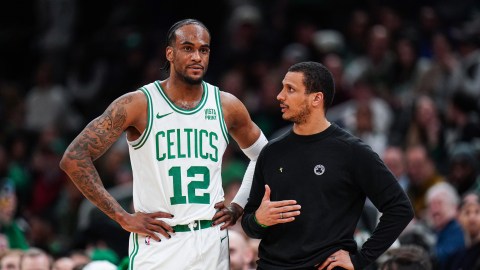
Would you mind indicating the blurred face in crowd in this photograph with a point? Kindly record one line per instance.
(393, 158)
(426, 111)
(469, 216)
(441, 210)
(64, 263)
(38, 262)
(190, 53)
(11, 261)
(417, 164)
(240, 255)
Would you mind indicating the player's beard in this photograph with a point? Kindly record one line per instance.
(301, 116)
(189, 80)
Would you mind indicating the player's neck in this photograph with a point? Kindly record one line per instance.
(183, 94)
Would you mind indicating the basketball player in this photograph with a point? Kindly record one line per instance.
(177, 131)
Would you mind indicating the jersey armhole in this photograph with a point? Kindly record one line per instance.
(138, 143)
(221, 119)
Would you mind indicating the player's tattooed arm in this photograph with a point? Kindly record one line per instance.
(90, 144)
(97, 137)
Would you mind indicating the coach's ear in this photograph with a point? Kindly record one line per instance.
(317, 99)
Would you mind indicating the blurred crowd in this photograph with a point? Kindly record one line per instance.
(407, 82)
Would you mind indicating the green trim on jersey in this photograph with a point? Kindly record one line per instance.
(221, 119)
(148, 129)
(180, 110)
(134, 251)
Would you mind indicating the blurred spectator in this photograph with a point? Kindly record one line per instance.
(377, 65)
(363, 93)
(100, 265)
(253, 244)
(364, 129)
(11, 260)
(463, 171)
(55, 23)
(394, 158)
(441, 79)
(35, 259)
(63, 263)
(243, 44)
(356, 32)
(335, 64)
(468, 47)
(104, 254)
(429, 24)
(85, 80)
(423, 175)
(42, 234)
(427, 129)
(407, 71)
(19, 170)
(241, 254)
(79, 257)
(48, 180)
(327, 42)
(47, 104)
(469, 218)
(463, 118)
(442, 202)
(9, 225)
(408, 257)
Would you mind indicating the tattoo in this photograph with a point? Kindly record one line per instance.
(90, 144)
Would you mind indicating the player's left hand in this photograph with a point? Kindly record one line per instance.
(341, 258)
(227, 214)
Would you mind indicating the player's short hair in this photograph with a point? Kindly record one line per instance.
(171, 36)
(316, 78)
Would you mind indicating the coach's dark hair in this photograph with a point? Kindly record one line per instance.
(171, 37)
(316, 78)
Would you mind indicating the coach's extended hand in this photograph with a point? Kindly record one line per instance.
(274, 212)
(147, 224)
(228, 214)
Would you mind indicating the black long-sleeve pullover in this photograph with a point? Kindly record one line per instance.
(329, 174)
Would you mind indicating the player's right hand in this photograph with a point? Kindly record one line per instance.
(274, 212)
(147, 224)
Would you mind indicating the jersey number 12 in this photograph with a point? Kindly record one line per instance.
(178, 197)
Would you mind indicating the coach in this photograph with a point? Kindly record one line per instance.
(310, 186)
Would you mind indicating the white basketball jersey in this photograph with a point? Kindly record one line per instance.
(176, 162)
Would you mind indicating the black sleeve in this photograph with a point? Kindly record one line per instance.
(249, 225)
(383, 190)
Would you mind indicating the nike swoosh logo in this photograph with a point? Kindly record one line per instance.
(223, 238)
(163, 115)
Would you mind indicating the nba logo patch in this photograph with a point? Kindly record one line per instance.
(147, 240)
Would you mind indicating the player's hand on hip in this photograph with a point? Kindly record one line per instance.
(341, 258)
(227, 215)
(274, 212)
(147, 224)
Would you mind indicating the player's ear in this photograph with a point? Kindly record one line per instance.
(169, 53)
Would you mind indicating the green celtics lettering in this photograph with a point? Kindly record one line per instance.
(186, 143)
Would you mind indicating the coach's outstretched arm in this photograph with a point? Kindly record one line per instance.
(127, 113)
